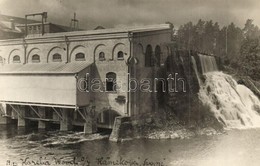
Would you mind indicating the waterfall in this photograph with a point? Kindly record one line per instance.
(195, 69)
(234, 105)
(208, 63)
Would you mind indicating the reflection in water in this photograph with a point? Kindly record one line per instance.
(236, 147)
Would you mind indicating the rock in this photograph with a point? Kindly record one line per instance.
(242, 82)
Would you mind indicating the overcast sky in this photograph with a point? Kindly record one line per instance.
(113, 13)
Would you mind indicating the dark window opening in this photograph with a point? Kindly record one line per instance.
(80, 56)
(111, 82)
(120, 55)
(16, 59)
(36, 58)
(56, 57)
(1, 60)
(149, 62)
(102, 56)
(158, 55)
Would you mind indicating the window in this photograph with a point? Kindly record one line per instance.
(80, 56)
(120, 55)
(102, 56)
(1, 60)
(148, 56)
(111, 82)
(36, 58)
(158, 55)
(56, 57)
(16, 59)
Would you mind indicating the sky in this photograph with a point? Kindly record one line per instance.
(116, 13)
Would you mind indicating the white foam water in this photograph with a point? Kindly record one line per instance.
(232, 104)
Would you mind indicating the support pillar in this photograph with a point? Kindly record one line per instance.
(41, 124)
(21, 115)
(5, 110)
(55, 116)
(90, 126)
(65, 123)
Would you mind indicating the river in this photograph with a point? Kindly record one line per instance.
(20, 147)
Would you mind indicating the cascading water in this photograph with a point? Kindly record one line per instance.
(233, 104)
(208, 63)
(195, 69)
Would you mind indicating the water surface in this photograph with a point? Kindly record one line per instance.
(235, 147)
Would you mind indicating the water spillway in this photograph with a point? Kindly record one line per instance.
(194, 64)
(234, 105)
(208, 63)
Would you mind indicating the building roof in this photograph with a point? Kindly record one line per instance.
(126, 29)
(48, 68)
(17, 20)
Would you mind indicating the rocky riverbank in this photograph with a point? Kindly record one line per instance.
(253, 85)
(166, 125)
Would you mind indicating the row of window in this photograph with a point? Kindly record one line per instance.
(57, 57)
(150, 60)
(102, 57)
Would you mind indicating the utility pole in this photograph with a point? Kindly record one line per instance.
(74, 24)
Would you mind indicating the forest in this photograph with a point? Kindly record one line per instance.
(238, 48)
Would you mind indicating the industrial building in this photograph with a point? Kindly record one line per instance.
(41, 75)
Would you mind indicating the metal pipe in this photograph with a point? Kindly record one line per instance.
(26, 31)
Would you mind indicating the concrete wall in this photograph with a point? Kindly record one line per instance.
(107, 100)
(145, 102)
(83, 97)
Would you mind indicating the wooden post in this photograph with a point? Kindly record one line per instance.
(41, 124)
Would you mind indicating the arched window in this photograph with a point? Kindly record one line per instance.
(120, 55)
(111, 82)
(56, 57)
(16, 59)
(35, 58)
(148, 56)
(158, 55)
(102, 56)
(80, 56)
(1, 60)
